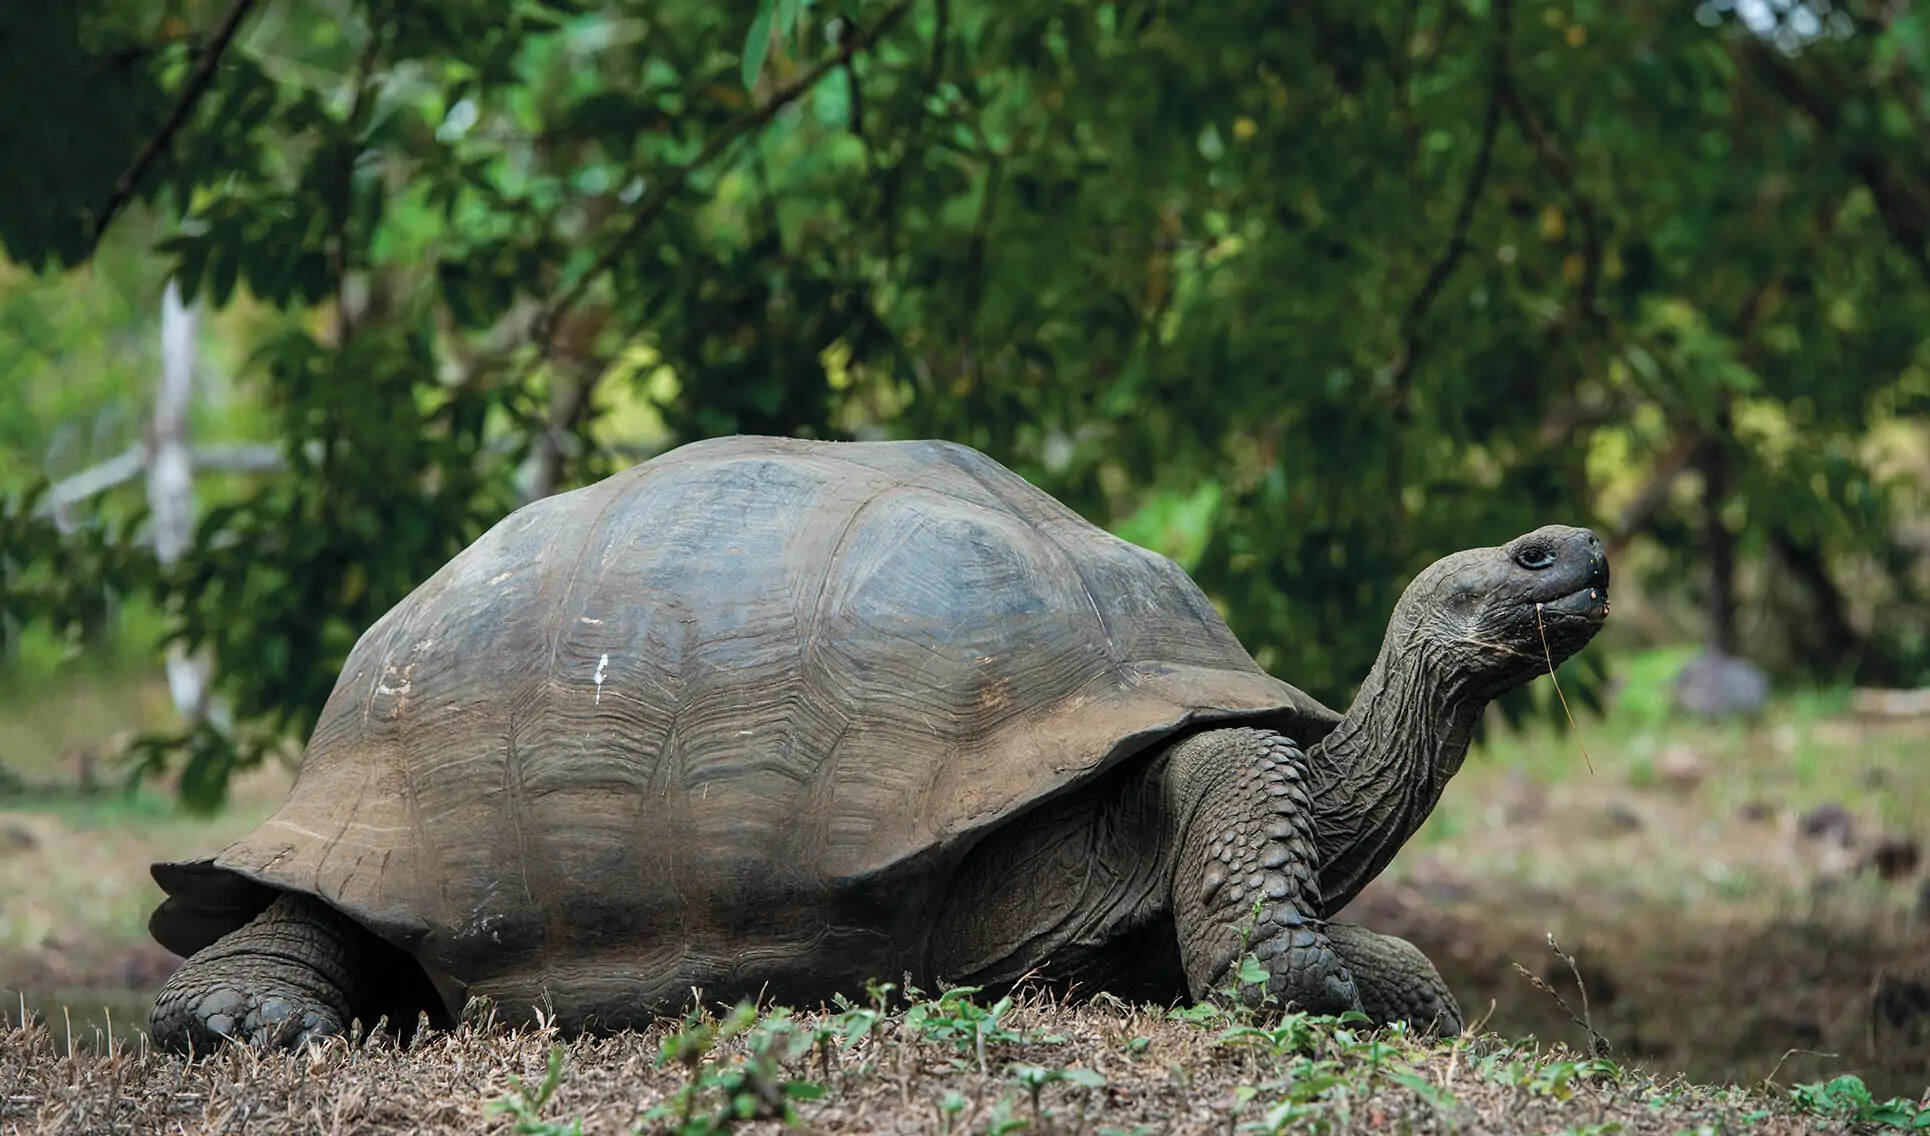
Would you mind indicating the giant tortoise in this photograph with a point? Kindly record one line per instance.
(768, 716)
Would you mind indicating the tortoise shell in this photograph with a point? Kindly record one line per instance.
(724, 720)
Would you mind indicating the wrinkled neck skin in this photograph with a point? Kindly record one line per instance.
(1381, 770)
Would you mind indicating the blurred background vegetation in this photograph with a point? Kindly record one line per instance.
(1303, 298)
(1301, 295)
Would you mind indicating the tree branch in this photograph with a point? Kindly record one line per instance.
(233, 457)
(1586, 215)
(543, 327)
(1401, 373)
(345, 185)
(1905, 210)
(191, 92)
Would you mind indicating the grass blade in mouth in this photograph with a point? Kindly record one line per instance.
(1550, 656)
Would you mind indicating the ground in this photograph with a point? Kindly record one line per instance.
(1743, 903)
(944, 1065)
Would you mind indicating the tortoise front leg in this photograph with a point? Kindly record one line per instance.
(293, 974)
(1396, 981)
(1244, 878)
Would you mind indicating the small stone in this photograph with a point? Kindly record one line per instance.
(1828, 822)
(1716, 685)
(1895, 857)
(17, 838)
(1681, 768)
(1756, 812)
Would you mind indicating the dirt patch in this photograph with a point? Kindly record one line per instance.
(1722, 1000)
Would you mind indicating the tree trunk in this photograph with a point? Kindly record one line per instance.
(170, 481)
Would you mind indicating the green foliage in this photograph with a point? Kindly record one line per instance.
(67, 582)
(1304, 299)
(723, 1092)
(1848, 1098)
(954, 1019)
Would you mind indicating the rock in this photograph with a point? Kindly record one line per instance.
(1895, 857)
(15, 837)
(1756, 812)
(1681, 768)
(1716, 685)
(1828, 822)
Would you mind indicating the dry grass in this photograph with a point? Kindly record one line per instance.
(947, 1066)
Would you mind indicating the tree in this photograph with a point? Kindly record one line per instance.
(1304, 296)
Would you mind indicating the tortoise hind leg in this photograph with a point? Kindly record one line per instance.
(295, 973)
(1244, 877)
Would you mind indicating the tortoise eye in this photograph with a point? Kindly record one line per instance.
(1536, 557)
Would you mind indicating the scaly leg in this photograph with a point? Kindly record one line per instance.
(1244, 878)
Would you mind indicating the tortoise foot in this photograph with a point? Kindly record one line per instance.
(1397, 981)
(285, 979)
(200, 1021)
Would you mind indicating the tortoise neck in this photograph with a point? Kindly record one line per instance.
(1381, 770)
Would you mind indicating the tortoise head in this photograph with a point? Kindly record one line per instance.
(1506, 614)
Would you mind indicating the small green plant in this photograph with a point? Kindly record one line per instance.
(1292, 1033)
(1034, 1078)
(525, 1106)
(719, 1094)
(954, 1020)
(1848, 1098)
(950, 1105)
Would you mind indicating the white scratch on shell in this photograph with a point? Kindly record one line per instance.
(598, 677)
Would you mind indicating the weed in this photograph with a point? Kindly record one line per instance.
(1034, 1078)
(717, 1095)
(1848, 1098)
(525, 1106)
(954, 1020)
(1292, 1033)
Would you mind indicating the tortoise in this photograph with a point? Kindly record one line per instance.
(766, 716)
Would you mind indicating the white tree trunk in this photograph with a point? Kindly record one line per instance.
(170, 481)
